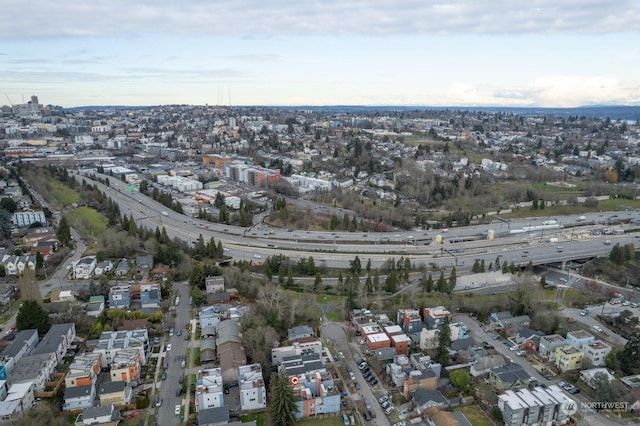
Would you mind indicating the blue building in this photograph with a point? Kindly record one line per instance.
(120, 297)
(316, 395)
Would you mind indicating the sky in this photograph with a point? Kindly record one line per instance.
(543, 53)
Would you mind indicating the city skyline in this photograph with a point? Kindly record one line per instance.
(491, 53)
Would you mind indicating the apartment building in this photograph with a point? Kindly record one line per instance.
(536, 407)
(297, 349)
(253, 393)
(84, 370)
(435, 317)
(316, 395)
(596, 353)
(126, 365)
(568, 358)
(209, 389)
(117, 393)
(579, 338)
(549, 344)
(112, 342)
(22, 345)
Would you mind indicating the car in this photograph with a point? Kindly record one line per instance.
(597, 328)
(367, 404)
(181, 379)
(382, 399)
(524, 255)
(183, 364)
(257, 256)
(400, 424)
(559, 248)
(169, 347)
(367, 416)
(158, 402)
(179, 332)
(574, 390)
(584, 313)
(626, 303)
(357, 385)
(514, 348)
(177, 410)
(365, 370)
(521, 353)
(171, 332)
(385, 404)
(179, 392)
(362, 366)
(374, 381)
(372, 413)
(634, 305)
(390, 409)
(186, 337)
(563, 280)
(164, 376)
(607, 242)
(351, 375)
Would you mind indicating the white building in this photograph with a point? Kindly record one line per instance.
(28, 218)
(18, 399)
(83, 269)
(253, 393)
(596, 352)
(209, 389)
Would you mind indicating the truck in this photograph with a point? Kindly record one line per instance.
(164, 213)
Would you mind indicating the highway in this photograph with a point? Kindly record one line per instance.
(337, 249)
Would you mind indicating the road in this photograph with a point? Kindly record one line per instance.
(477, 331)
(165, 414)
(336, 333)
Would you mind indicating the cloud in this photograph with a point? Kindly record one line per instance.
(254, 18)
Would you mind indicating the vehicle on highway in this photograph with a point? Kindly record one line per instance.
(257, 256)
(597, 328)
(559, 248)
(607, 242)
(177, 410)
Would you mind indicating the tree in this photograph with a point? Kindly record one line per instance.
(355, 266)
(444, 341)
(64, 231)
(39, 261)
(317, 283)
(32, 315)
(197, 275)
(460, 378)
(452, 280)
(630, 356)
(441, 286)
(609, 390)
(283, 406)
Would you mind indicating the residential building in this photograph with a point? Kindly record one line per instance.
(568, 358)
(579, 338)
(23, 344)
(214, 284)
(18, 398)
(301, 332)
(596, 353)
(95, 307)
(34, 369)
(401, 343)
(79, 397)
(230, 350)
(425, 399)
(103, 415)
(144, 264)
(215, 416)
(210, 316)
(122, 269)
(549, 344)
(485, 364)
(209, 389)
(84, 370)
(110, 343)
(120, 296)
(496, 318)
(297, 365)
(83, 269)
(435, 317)
(150, 297)
(14, 265)
(26, 218)
(409, 320)
(116, 393)
(378, 341)
(126, 365)
(511, 376)
(417, 379)
(103, 267)
(537, 407)
(57, 340)
(253, 393)
(316, 395)
(207, 350)
(297, 349)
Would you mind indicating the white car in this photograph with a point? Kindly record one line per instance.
(597, 328)
(177, 409)
(168, 347)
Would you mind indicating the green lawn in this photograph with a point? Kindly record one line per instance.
(91, 220)
(258, 417)
(196, 356)
(474, 415)
(334, 316)
(328, 421)
(61, 193)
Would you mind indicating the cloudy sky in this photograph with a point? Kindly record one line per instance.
(552, 53)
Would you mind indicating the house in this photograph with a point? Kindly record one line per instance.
(579, 338)
(57, 340)
(79, 397)
(116, 393)
(95, 307)
(83, 269)
(150, 297)
(213, 416)
(18, 399)
(60, 296)
(103, 415)
(14, 265)
(510, 376)
(123, 268)
(434, 317)
(7, 291)
(548, 345)
(385, 355)
(253, 393)
(144, 264)
(126, 365)
(211, 315)
(496, 318)
(120, 296)
(84, 370)
(207, 351)
(425, 399)
(568, 358)
(22, 345)
(409, 320)
(316, 395)
(209, 389)
(300, 332)
(486, 363)
(513, 324)
(595, 353)
(588, 376)
(214, 284)
(417, 379)
(103, 267)
(34, 369)
(378, 341)
(230, 350)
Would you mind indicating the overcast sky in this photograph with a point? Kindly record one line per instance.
(552, 53)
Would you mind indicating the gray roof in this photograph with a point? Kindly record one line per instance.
(52, 339)
(110, 387)
(228, 331)
(423, 396)
(385, 354)
(104, 410)
(78, 391)
(511, 373)
(213, 415)
(300, 331)
(30, 367)
(460, 417)
(17, 344)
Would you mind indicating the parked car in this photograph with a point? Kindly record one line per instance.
(367, 416)
(177, 410)
(367, 404)
(374, 381)
(357, 385)
(390, 409)
(164, 376)
(179, 392)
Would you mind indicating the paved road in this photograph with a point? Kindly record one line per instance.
(336, 333)
(165, 415)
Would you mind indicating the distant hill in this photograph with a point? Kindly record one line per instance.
(600, 111)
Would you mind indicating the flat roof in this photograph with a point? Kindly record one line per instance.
(378, 337)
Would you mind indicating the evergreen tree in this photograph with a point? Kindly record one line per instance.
(429, 287)
(444, 341)
(283, 406)
(442, 283)
(32, 315)
(64, 231)
(317, 283)
(452, 280)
